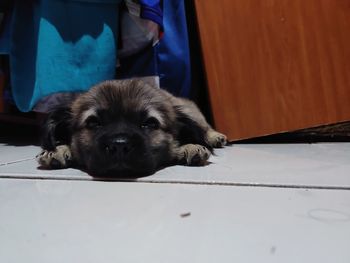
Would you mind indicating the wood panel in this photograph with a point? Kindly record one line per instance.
(276, 65)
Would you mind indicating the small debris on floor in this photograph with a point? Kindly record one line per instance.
(187, 214)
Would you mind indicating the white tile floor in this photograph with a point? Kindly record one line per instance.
(253, 203)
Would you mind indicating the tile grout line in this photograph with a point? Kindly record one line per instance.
(263, 185)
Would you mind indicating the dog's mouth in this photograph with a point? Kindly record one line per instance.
(121, 172)
(122, 167)
(121, 175)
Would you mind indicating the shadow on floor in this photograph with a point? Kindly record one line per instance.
(19, 134)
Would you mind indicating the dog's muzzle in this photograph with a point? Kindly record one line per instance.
(118, 145)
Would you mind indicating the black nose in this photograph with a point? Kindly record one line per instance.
(118, 145)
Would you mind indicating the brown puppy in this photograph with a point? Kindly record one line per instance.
(127, 127)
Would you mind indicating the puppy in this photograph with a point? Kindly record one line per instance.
(127, 127)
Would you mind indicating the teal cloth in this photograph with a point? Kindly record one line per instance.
(61, 46)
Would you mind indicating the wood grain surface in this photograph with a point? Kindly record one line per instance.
(276, 65)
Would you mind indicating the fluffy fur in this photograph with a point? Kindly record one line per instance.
(126, 127)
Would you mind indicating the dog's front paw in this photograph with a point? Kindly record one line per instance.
(216, 139)
(193, 154)
(61, 157)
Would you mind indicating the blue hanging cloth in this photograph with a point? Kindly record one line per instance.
(170, 58)
(152, 10)
(61, 46)
(173, 54)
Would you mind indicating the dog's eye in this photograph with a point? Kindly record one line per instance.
(151, 123)
(92, 122)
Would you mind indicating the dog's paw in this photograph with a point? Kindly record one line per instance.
(61, 157)
(194, 154)
(216, 139)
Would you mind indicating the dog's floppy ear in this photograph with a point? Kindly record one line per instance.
(57, 128)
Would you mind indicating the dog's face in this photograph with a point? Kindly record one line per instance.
(122, 127)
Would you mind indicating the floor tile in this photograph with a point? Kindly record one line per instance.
(310, 165)
(286, 164)
(11, 154)
(83, 221)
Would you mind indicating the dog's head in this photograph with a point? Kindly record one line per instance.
(123, 127)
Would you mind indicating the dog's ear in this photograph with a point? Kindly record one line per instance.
(57, 128)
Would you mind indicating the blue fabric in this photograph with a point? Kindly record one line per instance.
(59, 46)
(152, 10)
(174, 68)
(170, 58)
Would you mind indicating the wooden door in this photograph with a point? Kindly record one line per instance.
(276, 65)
